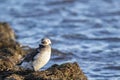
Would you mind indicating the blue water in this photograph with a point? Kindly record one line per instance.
(86, 30)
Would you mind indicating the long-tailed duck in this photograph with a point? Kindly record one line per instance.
(37, 60)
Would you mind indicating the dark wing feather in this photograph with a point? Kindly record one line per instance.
(31, 55)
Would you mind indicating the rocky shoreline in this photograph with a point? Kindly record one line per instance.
(11, 53)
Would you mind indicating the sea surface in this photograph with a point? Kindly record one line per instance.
(87, 31)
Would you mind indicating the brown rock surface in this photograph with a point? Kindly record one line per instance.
(14, 77)
(6, 31)
(67, 71)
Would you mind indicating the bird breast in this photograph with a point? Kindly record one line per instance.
(42, 56)
(41, 59)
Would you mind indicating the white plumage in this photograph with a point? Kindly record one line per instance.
(41, 60)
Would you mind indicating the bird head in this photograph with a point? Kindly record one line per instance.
(45, 41)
